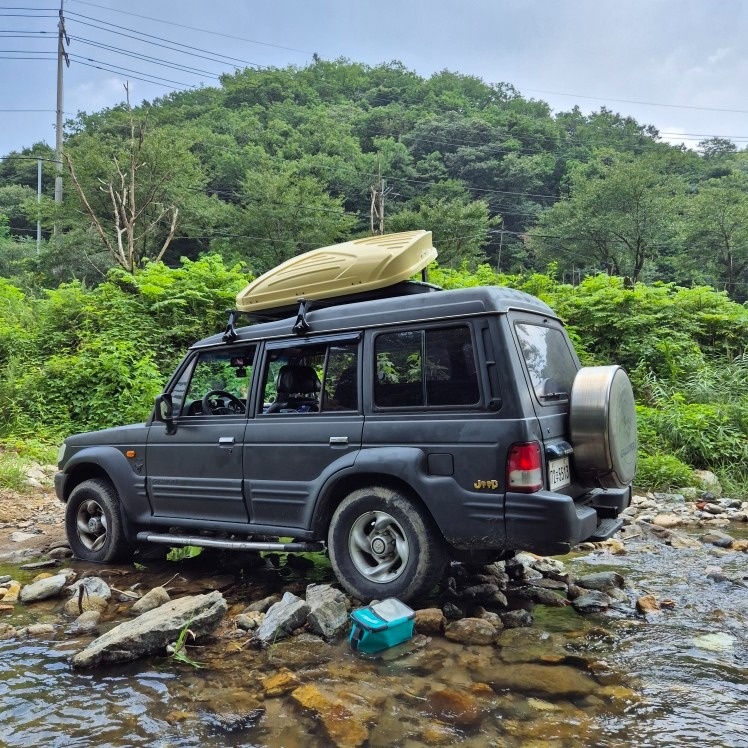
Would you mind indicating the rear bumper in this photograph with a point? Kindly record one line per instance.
(549, 523)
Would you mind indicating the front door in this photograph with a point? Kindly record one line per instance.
(196, 473)
(307, 428)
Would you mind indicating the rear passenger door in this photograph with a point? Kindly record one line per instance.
(426, 393)
(297, 440)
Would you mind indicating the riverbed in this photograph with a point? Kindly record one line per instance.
(678, 676)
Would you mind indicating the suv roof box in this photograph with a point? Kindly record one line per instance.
(361, 268)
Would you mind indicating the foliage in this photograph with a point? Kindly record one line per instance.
(662, 473)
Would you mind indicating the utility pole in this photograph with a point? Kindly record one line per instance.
(38, 204)
(379, 191)
(62, 38)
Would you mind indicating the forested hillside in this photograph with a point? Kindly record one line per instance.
(641, 247)
(277, 161)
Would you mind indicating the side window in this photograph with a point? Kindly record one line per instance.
(311, 379)
(220, 383)
(431, 368)
(548, 360)
(341, 378)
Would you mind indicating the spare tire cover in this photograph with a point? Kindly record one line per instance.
(602, 421)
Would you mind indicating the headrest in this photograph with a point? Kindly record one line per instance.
(298, 380)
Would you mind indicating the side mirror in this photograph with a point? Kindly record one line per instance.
(165, 412)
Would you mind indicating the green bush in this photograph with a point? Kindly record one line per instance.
(662, 473)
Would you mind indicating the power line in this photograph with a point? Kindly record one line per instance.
(187, 48)
(642, 103)
(142, 57)
(119, 71)
(193, 28)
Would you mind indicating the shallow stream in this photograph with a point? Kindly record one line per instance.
(677, 678)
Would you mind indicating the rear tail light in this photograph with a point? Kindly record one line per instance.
(524, 468)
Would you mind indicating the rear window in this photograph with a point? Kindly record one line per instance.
(549, 361)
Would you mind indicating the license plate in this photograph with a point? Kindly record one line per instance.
(559, 474)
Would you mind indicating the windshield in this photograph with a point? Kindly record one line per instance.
(549, 361)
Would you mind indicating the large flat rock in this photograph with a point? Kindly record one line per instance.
(152, 631)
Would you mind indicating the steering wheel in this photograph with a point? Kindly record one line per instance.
(231, 403)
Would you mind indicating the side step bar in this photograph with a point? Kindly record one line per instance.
(231, 545)
(606, 529)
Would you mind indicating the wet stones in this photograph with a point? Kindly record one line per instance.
(282, 618)
(152, 599)
(43, 588)
(471, 631)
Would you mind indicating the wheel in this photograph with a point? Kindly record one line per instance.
(93, 523)
(225, 403)
(383, 544)
(602, 421)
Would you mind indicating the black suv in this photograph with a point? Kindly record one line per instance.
(397, 432)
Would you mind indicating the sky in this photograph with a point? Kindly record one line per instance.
(680, 65)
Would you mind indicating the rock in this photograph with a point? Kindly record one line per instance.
(20, 537)
(261, 606)
(592, 601)
(4, 578)
(289, 613)
(455, 707)
(514, 619)
(667, 520)
(470, 631)
(280, 683)
(713, 509)
(81, 604)
(648, 605)
(152, 631)
(6, 608)
(601, 581)
(38, 629)
(739, 545)
(152, 599)
(91, 586)
(680, 541)
(305, 650)
(614, 546)
(720, 539)
(708, 481)
(86, 623)
(11, 596)
(543, 596)
(557, 681)
(246, 622)
(452, 612)
(328, 610)
(338, 721)
(48, 564)
(430, 621)
(43, 589)
(488, 615)
(7, 632)
(60, 553)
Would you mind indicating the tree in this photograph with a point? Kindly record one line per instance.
(716, 230)
(138, 199)
(283, 214)
(617, 218)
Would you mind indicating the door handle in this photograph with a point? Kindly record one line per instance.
(338, 440)
(226, 441)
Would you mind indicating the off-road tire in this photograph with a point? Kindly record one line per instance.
(400, 517)
(94, 524)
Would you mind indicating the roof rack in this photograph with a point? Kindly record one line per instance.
(302, 326)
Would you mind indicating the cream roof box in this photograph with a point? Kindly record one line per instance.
(350, 268)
